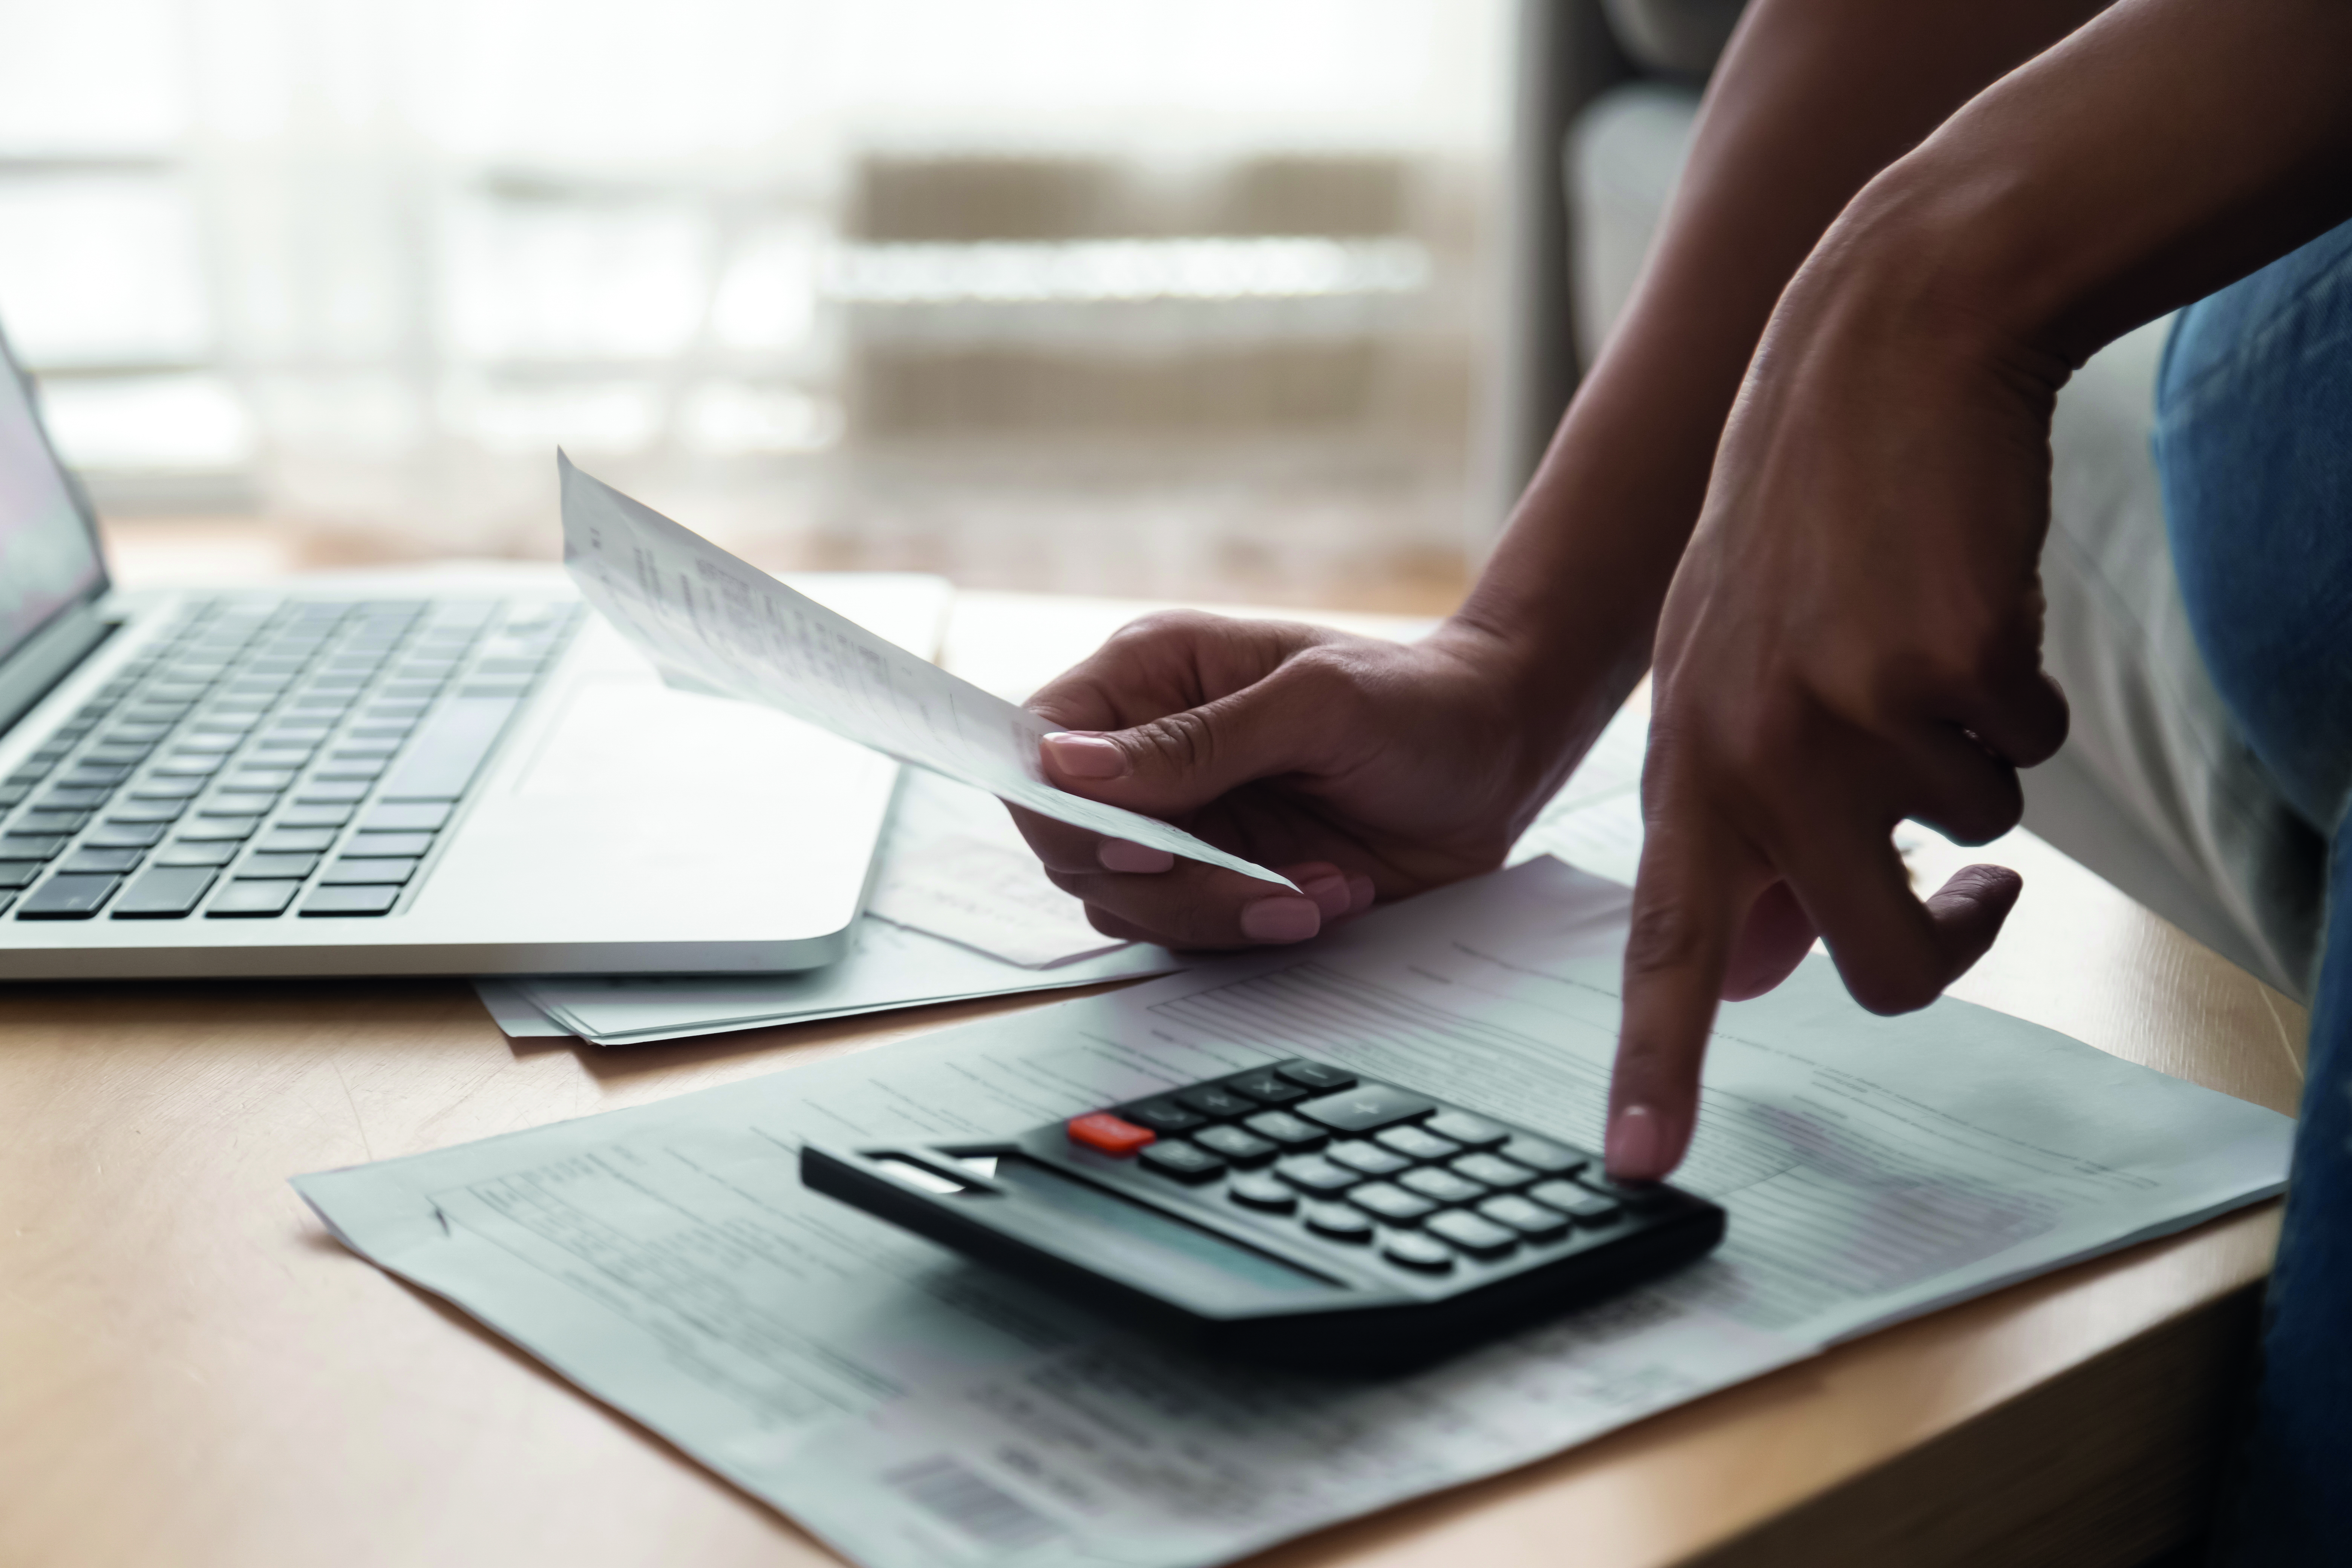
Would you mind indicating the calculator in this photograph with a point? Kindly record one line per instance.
(1294, 1212)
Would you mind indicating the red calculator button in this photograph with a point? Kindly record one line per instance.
(1107, 1132)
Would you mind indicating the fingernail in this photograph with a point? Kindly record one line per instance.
(1637, 1144)
(1281, 919)
(1119, 855)
(1329, 893)
(1086, 756)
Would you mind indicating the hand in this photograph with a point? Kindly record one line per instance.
(1853, 637)
(1359, 769)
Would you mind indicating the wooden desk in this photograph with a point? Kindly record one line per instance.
(192, 1372)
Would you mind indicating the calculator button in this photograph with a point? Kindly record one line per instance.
(1256, 1190)
(1320, 1077)
(1438, 1183)
(1358, 1154)
(1531, 1220)
(1185, 1162)
(1314, 1174)
(1583, 1207)
(1281, 1127)
(1241, 1148)
(1161, 1115)
(1478, 1237)
(1266, 1086)
(1107, 1134)
(1339, 1221)
(1417, 1143)
(1417, 1251)
(1541, 1154)
(1392, 1203)
(1366, 1108)
(1494, 1170)
(1215, 1101)
(1470, 1131)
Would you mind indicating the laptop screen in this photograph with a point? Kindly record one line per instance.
(48, 557)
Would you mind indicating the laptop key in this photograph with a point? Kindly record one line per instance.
(126, 836)
(415, 818)
(251, 900)
(221, 830)
(168, 789)
(184, 854)
(314, 816)
(331, 792)
(147, 811)
(19, 873)
(31, 845)
(64, 898)
(297, 840)
(104, 862)
(386, 843)
(51, 821)
(349, 900)
(164, 893)
(271, 867)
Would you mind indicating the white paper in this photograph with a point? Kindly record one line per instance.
(712, 623)
(957, 867)
(517, 1015)
(916, 1410)
(888, 967)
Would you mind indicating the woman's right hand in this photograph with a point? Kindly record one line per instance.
(1359, 768)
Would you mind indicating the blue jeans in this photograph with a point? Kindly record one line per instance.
(2253, 439)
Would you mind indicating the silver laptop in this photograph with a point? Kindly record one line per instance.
(395, 778)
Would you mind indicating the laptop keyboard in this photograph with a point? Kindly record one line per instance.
(270, 758)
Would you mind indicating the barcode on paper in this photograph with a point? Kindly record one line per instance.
(944, 1488)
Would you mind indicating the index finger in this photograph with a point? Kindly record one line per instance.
(1697, 879)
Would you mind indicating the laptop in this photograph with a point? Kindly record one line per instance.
(386, 776)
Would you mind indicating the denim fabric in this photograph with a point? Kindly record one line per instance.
(2254, 442)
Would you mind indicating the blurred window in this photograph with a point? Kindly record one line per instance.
(367, 264)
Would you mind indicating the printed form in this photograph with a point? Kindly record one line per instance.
(914, 1409)
(712, 623)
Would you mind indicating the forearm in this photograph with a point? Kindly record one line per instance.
(2159, 153)
(1811, 100)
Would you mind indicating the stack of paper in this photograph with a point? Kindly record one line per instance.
(960, 908)
(916, 1409)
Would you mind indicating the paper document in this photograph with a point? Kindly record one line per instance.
(715, 624)
(957, 867)
(888, 967)
(915, 1409)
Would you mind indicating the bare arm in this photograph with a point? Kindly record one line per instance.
(1854, 634)
(1811, 100)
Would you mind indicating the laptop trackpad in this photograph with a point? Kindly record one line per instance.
(630, 736)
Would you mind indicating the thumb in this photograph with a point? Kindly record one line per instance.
(1182, 761)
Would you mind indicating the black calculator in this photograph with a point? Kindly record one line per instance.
(1294, 1212)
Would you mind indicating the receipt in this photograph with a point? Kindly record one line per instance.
(957, 867)
(714, 624)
